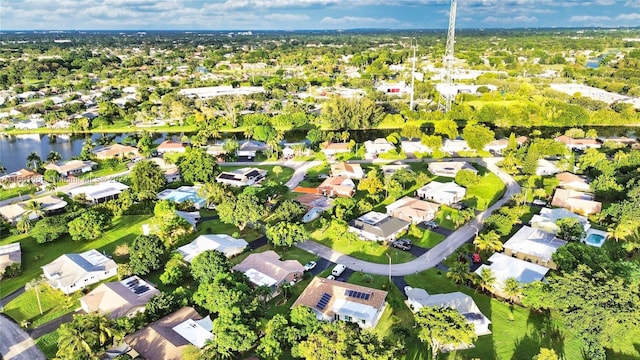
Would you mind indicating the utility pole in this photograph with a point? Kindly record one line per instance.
(413, 72)
(448, 57)
(389, 256)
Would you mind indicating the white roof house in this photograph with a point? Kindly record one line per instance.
(215, 91)
(249, 148)
(242, 177)
(546, 168)
(454, 146)
(119, 298)
(442, 193)
(504, 267)
(197, 332)
(378, 146)
(100, 192)
(14, 212)
(464, 304)
(450, 168)
(412, 147)
(533, 245)
(72, 167)
(183, 194)
(72, 272)
(223, 243)
(547, 219)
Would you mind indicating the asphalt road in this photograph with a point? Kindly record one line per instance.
(15, 344)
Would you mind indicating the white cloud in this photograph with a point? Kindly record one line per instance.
(287, 17)
(589, 19)
(507, 20)
(358, 21)
(632, 16)
(633, 3)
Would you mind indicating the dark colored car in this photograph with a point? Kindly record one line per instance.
(402, 244)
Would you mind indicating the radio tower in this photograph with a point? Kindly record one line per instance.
(413, 72)
(448, 57)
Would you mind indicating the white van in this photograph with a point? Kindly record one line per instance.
(338, 270)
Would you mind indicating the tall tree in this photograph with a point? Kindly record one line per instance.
(146, 254)
(458, 273)
(35, 285)
(443, 326)
(54, 157)
(477, 136)
(448, 128)
(246, 209)
(285, 234)
(206, 265)
(147, 179)
(489, 241)
(198, 166)
(512, 290)
(213, 192)
(486, 279)
(33, 160)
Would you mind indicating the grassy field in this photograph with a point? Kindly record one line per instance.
(25, 191)
(486, 192)
(444, 217)
(428, 240)
(48, 344)
(123, 230)
(104, 170)
(54, 304)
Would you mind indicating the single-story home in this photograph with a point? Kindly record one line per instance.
(498, 146)
(412, 210)
(242, 177)
(22, 176)
(450, 168)
(576, 201)
(249, 148)
(100, 192)
(442, 193)
(116, 151)
(413, 147)
(463, 303)
(9, 254)
(331, 149)
(346, 170)
(119, 298)
(266, 269)
(377, 226)
(378, 146)
(315, 201)
(533, 245)
(390, 169)
(72, 272)
(335, 300)
(72, 167)
(572, 181)
(546, 168)
(547, 218)
(455, 146)
(170, 146)
(171, 171)
(581, 144)
(504, 267)
(48, 204)
(337, 186)
(223, 243)
(167, 338)
(183, 194)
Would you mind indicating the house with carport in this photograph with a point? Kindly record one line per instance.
(223, 243)
(377, 226)
(267, 269)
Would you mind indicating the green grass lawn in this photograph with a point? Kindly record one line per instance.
(486, 192)
(445, 217)
(362, 249)
(104, 170)
(23, 191)
(54, 304)
(218, 227)
(48, 344)
(428, 240)
(282, 178)
(123, 230)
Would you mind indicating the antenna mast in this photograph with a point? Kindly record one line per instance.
(413, 74)
(448, 57)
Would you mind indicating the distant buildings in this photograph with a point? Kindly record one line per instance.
(72, 167)
(450, 168)
(115, 151)
(215, 91)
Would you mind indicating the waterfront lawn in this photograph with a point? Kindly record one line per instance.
(23, 191)
(361, 249)
(48, 344)
(105, 168)
(486, 192)
(54, 304)
(123, 230)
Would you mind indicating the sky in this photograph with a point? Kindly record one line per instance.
(311, 14)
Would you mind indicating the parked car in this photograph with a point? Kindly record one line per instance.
(458, 206)
(431, 224)
(539, 202)
(331, 277)
(407, 289)
(338, 270)
(402, 244)
(310, 265)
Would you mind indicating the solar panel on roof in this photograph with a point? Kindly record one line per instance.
(357, 294)
(227, 176)
(324, 300)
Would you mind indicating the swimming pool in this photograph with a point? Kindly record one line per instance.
(595, 239)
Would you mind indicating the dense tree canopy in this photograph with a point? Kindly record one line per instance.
(146, 254)
(147, 179)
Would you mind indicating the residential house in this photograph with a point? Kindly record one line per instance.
(170, 146)
(548, 218)
(504, 267)
(455, 146)
(216, 149)
(183, 194)
(48, 204)
(377, 226)
(266, 269)
(72, 167)
(412, 210)
(315, 201)
(72, 272)
(498, 146)
(223, 243)
(31, 124)
(171, 171)
(116, 151)
(337, 186)
(21, 177)
(223, 90)
(9, 254)
(346, 170)
(331, 149)
(581, 144)
(242, 177)
(334, 300)
(249, 148)
(100, 192)
(119, 298)
(572, 181)
(389, 170)
(576, 201)
(462, 303)
(414, 147)
(167, 338)
(533, 245)
(442, 193)
(633, 143)
(398, 88)
(378, 146)
(450, 168)
(546, 168)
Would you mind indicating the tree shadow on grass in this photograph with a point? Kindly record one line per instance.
(544, 335)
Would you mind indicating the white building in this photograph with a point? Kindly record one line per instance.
(533, 245)
(242, 177)
(504, 267)
(72, 272)
(442, 193)
(455, 146)
(100, 192)
(547, 219)
(215, 91)
(223, 243)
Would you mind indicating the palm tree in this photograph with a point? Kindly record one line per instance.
(622, 231)
(488, 242)
(24, 225)
(35, 286)
(277, 170)
(54, 157)
(75, 340)
(102, 327)
(512, 290)
(486, 279)
(458, 273)
(33, 160)
(33, 207)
